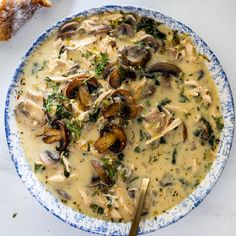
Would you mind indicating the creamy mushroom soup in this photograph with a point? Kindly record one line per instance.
(113, 98)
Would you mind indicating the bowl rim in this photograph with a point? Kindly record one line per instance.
(94, 225)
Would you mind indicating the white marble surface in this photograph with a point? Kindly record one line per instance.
(215, 22)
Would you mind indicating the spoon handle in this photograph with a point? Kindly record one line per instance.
(134, 227)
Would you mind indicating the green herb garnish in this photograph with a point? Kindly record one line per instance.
(150, 27)
(137, 149)
(74, 127)
(219, 122)
(101, 63)
(162, 103)
(97, 209)
(183, 98)
(174, 156)
(93, 116)
(39, 168)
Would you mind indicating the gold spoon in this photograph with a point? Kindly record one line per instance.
(134, 227)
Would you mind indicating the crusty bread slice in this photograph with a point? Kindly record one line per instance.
(14, 13)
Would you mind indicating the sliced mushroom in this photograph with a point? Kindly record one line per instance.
(135, 56)
(68, 29)
(116, 74)
(113, 74)
(95, 181)
(29, 113)
(63, 194)
(123, 107)
(100, 29)
(112, 138)
(81, 88)
(129, 112)
(126, 29)
(151, 42)
(166, 68)
(111, 110)
(58, 133)
(185, 132)
(49, 158)
(123, 95)
(130, 19)
(105, 142)
(100, 171)
(166, 180)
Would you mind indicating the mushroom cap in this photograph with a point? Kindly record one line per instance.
(29, 113)
(166, 68)
(112, 138)
(135, 56)
(68, 29)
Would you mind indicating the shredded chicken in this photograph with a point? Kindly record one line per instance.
(197, 90)
(159, 123)
(75, 44)
(137, 87)
(85, 197)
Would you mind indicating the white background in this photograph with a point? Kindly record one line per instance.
(215, 22)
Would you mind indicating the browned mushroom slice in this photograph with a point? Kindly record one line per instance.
(105, 142)
(51, 135)
(115, 78)
(68, 29)
(112, 138)
(100, 29)
(111, 110)
(100, 172)
(135, 56)
(123, 111)
(72, 87)
(166, 68)
(129, 112)
(84, 97)
(185, 132)
(151, 42)
(81, 89)
(121, 140)
(108, 70)
(113, 74)
(123, 94)
(126, 29)
(58, 133)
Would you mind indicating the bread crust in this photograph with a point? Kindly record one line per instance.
(14, 13)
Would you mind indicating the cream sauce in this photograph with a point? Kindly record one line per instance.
(175, 166)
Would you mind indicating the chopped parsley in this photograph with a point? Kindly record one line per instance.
(74, 127)
(162, 103)
(183, 98)
(137, 149)
(97, 209)
(150, 27)
(133, 179)
(121, 156)
(101, 63)
(87, 54)
(93, 116)
(39, 168)
(219, 122)
(174, 156)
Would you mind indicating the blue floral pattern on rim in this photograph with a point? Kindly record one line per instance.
(93, 225)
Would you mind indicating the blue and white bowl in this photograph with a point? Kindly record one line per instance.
(93, 225)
